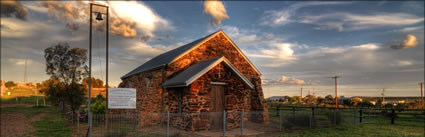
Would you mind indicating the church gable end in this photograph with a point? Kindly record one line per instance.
(216, 46)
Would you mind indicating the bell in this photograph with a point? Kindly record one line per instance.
(99, 16)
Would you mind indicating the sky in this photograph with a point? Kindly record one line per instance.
(371, 45)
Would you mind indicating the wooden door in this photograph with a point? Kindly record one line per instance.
(217, 107)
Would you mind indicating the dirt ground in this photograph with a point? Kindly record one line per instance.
(16, 124)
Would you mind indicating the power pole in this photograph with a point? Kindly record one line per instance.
(25, 72)
(336, 90)
(422, 94)
(383, 95)
(301, 97)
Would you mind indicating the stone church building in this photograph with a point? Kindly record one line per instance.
(208, 75)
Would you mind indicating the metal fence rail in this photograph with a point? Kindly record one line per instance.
(234, 123)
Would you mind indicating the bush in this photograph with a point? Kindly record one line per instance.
(298, 120)
(332, 117)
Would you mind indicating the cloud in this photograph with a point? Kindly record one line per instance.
(13, 8)
(127, 18)
(15, 28)
(409, 42)
(72, 26)
(275, 18)
(283, 80)
(19, 61)
(350, 21)
(217, 10)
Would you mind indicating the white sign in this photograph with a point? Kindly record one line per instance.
(122, 98)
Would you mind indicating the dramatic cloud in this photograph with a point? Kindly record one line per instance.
(282, 17)
(11, 8)
(217, 10)
(125, 17)
(350, 21)
(409, 42)
(283, 80)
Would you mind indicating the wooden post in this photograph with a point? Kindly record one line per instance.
(361, 115)
(392, 116)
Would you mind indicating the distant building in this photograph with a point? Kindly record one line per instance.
(276, 98)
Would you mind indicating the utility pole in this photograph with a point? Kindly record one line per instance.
(422, 94)
(336, 90)
(301, 97)
(383, 95)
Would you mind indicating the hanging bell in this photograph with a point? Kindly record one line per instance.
(99, 16)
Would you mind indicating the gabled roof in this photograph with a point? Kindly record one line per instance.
(195, 71)
(173, 55)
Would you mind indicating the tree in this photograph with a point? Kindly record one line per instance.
(321, 100)
(329, 99)
(9, 84)
(96, 83)
(66, 65)
(294, 99)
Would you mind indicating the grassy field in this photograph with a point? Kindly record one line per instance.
(38, 121)
(400, 129)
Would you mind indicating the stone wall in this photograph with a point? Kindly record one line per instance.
(196, 98)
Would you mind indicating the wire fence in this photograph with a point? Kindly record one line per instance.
(233, 123)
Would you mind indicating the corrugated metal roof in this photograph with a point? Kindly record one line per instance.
(165, 58)
(195, 71)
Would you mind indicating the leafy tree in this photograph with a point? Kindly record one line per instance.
(53, 89)
(321, 100)
(66, 65)
(329, 99)
(96, 83)
(355, 100)
(294, 99)
(9, 84)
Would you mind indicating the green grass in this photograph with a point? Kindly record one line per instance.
(27, 111)
(51, 125)
(27, 100)
(379, 127)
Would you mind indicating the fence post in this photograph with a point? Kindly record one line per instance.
(361, 115)
(224, 123)
(90, 124)
(311, 116)
(242, 122)
(392, 116)
(78, 123)
(277, 110)
(312, 111)
(280, 122)
(293, 110)
(168, 123)
(355, 115)
(334, 116)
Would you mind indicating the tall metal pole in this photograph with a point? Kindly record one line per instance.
(107, 63)
(90, 50)
(422, 94)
